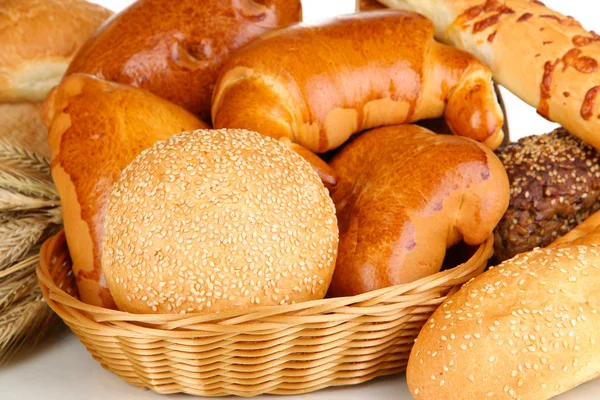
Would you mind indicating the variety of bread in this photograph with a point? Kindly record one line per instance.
(95, 129)
(175, 49)
(404, 196)
(163, 215)
(38, 39)
(216, 220)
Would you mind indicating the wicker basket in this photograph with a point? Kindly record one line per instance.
(280, 350)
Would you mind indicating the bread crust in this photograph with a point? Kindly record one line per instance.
(95, 128)
(404, 196)
(38, 39)
(553, 60)
(526, 329)
(316, 85)
(175, 49)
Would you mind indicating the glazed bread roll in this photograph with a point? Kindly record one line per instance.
(404, 196)
(95, 129)
(553, 60)
(175, 49)
(218, 220)
(317, 85)
(526, 329)
(38, 39)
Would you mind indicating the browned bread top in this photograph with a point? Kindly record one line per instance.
(404, 196)
(175, 49)
(95, 129)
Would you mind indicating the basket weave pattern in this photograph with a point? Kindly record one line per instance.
(279, 350)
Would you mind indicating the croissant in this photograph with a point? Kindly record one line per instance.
(404, 196)
(316, 85)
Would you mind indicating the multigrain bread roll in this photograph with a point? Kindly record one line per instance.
(545, 58)
(217, 220)
(555, 186)
(38, 39)
(404, 196)
(95, 129)
(175, 49)
(317, 85)
(526, 329)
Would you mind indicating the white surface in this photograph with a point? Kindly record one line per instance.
(62, 368)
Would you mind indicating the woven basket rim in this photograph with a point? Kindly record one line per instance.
(358, 304)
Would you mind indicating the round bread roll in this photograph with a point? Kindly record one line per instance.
(215, 220)
(555, 186)
(38, 38)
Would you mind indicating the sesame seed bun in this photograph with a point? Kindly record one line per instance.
(526, 329)
(215, 220)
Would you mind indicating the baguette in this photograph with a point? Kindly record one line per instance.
(548, 60)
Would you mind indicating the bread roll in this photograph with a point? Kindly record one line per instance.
(218, 220)
(95, 129)
(21, 124)
(555, 185)
(175, 49)
(317, 85)
(38, 38)
(545, 58)
(526, 329)
(404, 196)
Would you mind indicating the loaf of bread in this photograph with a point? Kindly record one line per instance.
(526, 329)
(218, 220)
(38, 39)
(95, 129)
(555, 185)
(175, 49)
(317, 85)
(404, 196)
(545, 58)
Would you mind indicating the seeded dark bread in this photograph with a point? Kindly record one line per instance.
(217, 220)
(555, 186)
(526, 329)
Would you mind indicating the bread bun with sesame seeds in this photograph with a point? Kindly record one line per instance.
(215, 220)
(527, 329)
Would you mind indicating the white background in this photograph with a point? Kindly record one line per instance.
(62, 369)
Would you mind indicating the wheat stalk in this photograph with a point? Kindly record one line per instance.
(29, 214)
(22, 158)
